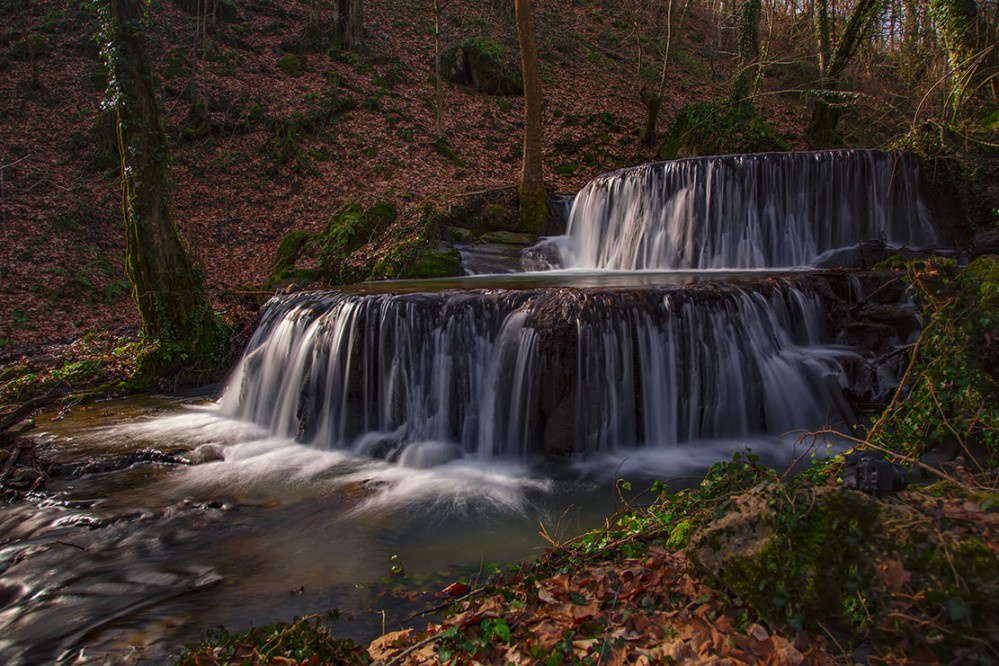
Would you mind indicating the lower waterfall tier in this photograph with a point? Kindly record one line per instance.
(427, 377)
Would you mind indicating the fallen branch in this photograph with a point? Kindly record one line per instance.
(11, 461)
(18, 414)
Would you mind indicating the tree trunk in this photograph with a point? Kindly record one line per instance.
(957, 23)
(825, 114)
(654, 102)
(438, 75)
(822, 34)
(652, 106)
(749, 52)
(167, 288)
(533, 198)
(348, 25)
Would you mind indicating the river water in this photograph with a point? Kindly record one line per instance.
(130, 565)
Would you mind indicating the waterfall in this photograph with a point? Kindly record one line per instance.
(771, 210)
(423, 378)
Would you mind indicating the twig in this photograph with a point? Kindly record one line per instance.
(413, 648)
(490, 190)
(442, 606)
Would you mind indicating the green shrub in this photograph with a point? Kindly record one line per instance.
(291, 65)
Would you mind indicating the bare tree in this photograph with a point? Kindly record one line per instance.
(439, 7)
(533, 197)
(648, 28)
(749, 52)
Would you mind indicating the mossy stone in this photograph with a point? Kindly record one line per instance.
(482, 65)
(508, 238)
(349, 229)
(793, 567)
(436, 263)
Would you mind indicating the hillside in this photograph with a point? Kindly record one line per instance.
(268, 137)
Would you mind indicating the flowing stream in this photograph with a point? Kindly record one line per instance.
(431, 425)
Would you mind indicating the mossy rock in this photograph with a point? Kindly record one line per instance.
(712, 128)
(288, 253)
(958, 182)
(289, 250)
(436, 263)
(501, 217)
(349, 230)
(791, 567)
(459, 235)
(508, 238)
(482, 65)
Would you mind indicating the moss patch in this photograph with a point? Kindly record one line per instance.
(349, 229)
(291, 65)
(435, 264)
(288, 253)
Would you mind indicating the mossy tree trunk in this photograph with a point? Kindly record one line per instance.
(957, 24)
(826, 112)
(348, 25)
(749, 52)
(533, 197)
(177, 319)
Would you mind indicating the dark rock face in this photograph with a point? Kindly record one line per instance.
(985, 243)
(479, 64)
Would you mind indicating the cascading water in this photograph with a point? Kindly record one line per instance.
(746, 211)
(424, 378)
(427, 377)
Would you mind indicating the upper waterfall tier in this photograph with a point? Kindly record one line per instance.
(772, 210)
(426, 377)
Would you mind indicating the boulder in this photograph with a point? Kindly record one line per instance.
(481, 65)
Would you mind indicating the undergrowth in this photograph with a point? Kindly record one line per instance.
(949, 395)
(306, 640)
